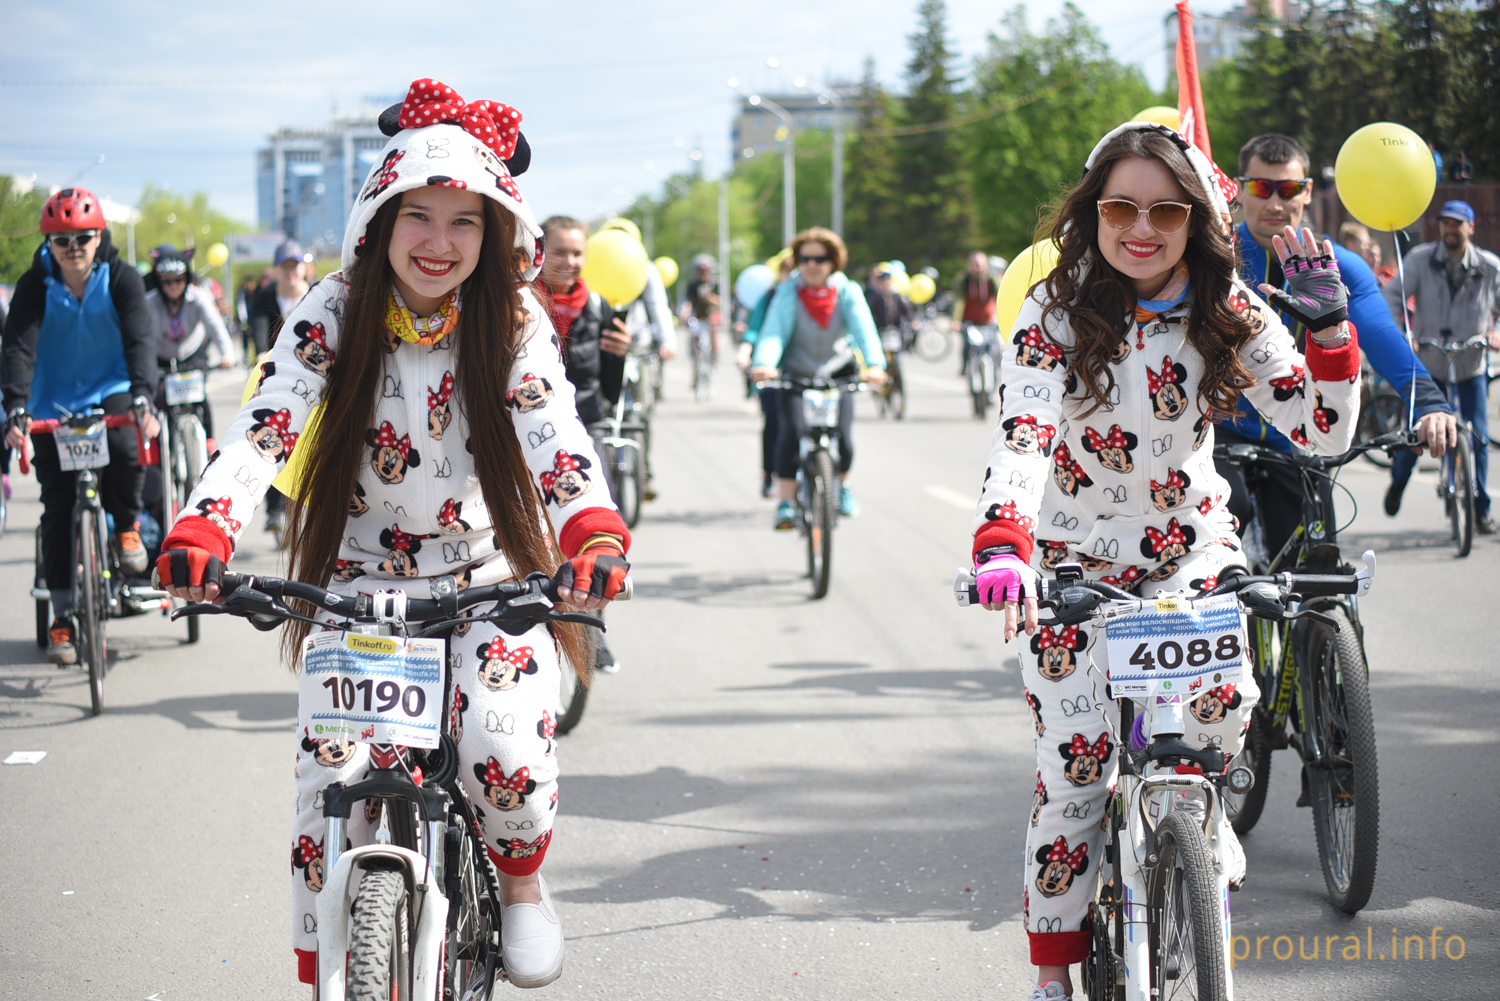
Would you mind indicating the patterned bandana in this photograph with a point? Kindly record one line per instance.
(413, 329)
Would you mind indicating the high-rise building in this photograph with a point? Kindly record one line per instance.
(307, 179)
(755, 128)
(1219, 37)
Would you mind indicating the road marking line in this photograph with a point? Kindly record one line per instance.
(946, 385)
(949, 496)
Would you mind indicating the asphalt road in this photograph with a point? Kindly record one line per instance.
(775, 798)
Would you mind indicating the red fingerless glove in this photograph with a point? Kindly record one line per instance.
(191, 567)
(601, 571)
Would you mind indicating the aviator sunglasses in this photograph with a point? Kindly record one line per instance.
(1260, 187)
(81, 238)
(1165, 217)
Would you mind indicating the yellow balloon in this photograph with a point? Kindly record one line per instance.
(774, 261)
(667, 268)
(1030, 266)
(624, 225)
(217, 255)
(923, 288)
(1161, 114)
(901, 283)
(615, 266)
(1385, 176)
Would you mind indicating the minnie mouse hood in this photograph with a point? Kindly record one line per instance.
(1217, 187)
(438, 139)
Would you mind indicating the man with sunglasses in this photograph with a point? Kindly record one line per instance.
(79, 336)
(1275, 189)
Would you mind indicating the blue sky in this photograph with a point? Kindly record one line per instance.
(183, 94)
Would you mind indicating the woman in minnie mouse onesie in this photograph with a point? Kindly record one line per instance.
(419, 337)
(1103, 458)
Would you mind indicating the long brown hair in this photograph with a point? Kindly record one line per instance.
(487, 339)
(1097, 301)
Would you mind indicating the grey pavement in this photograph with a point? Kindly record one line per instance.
(775, 797)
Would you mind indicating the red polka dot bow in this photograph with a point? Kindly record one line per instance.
(1168, 377)
(318, 336)
(1044, 432)
(1041, 787)
(455, 715)
(386, 438)
(429, 102)
(494, 775)
(1066, 637)
(1081, 746)
(1073, 860)
(281, 420)
(548, 726)
(1038, 341)
(517, 658)
(1224, 693)
(1114, 439)
(561, 463)
(1125, 580)
(1064, 459)
(1321, 418)
(1161, 540)
(449, 514)
(1292, 383)
(401, 540)
(308, 851)
(222, 507)
(436, 398)
(1227, 185)
(1174, 479)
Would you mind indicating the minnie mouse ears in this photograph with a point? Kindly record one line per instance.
(518, 163)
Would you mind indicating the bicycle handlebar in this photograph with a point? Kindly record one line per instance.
(1390, 442)
(1478, 340)
(49, 425)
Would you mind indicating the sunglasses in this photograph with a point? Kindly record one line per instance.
(1165, 217)
(80, 239)
(808, 259)
(1260, 187)
(179, 280)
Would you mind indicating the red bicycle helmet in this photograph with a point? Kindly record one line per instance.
(72, 208)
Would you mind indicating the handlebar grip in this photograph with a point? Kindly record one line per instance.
(627, 590)
(1322, 584)
(231, 581)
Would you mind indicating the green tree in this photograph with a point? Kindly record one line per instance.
(684, 220)
(931, 221)
(20, 209)
(1056, 94)
(182, 221)
(870, 181)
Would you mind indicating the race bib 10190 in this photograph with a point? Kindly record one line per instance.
(1176, 648)
(372, 689)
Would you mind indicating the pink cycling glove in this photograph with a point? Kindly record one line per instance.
(1006, 577)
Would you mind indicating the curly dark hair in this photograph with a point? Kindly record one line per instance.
(1097, 301)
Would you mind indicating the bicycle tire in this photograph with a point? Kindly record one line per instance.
(1185, 915)
(821, 511)
(625, 472)
(1245, 810)
(897, 392)
(470, 958)
(43, 607)
(1494, 425)
(932, 344)
(1461, 496)
(573, 695)
(89, 604)
(380, 936)
(976, 386)
(195, 451)
(1336, 696)
(1385, 410)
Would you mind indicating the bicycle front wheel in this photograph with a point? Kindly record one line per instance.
(1460, 487)
(1187, 937)
(1344, 784)
(625, 467)
(822, 509)
(43, 606)
(1244, 809)
(380, 936)
(896, 392)
(90, 603)
(573, 695)
(932, 343)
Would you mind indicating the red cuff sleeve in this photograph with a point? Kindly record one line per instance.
(998, 533)
(1334, 364)
(520, 866)
(307, 966)
(199, 532)
(584, 524)
(1061, 948)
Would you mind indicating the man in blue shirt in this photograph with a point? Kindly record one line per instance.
(1276, 187)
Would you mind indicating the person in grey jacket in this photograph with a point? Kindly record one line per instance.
(1456, 286)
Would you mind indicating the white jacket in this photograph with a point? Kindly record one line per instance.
(1133, 485)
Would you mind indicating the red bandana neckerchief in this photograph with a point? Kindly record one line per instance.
(567, 307)
(819, 303)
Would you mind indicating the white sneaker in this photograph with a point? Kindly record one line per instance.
(1050, 991)
(1229, 853)
(531, 942)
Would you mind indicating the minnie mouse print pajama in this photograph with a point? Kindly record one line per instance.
(1130, 492)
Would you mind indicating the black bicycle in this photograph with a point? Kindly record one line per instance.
(891, 397)
(101, 590)
(1456, 483)
(623, 438)
(982, 363)
(429, 842)
(1314, 680)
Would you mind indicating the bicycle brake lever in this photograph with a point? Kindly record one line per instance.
(1316, 616)
(197, 609)
(580, 618)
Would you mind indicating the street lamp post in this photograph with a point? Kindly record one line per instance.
(788, 167)
(826, 97)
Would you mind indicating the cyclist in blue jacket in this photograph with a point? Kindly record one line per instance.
(79, 336)
(1276, 187)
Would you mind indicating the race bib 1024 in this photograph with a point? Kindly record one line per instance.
(82, 448)
(372, 689)
(1177, 648)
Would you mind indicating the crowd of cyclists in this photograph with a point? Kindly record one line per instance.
(461, 346)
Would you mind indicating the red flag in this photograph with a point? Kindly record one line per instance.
(1193, 124)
